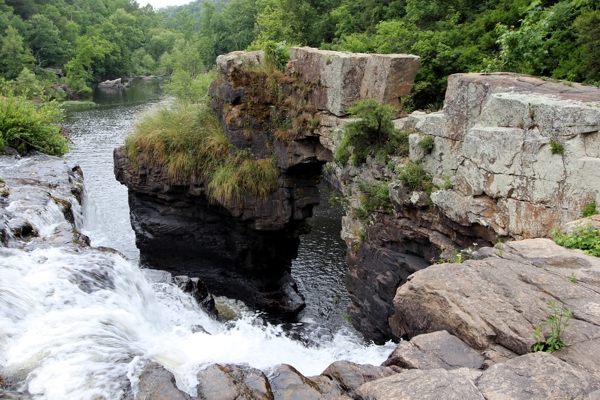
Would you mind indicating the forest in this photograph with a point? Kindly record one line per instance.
(59, 48)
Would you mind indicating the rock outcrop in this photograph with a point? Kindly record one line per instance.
(492, 171)
(446, 367)
(494, 177)
(244, 249)
(501, 297)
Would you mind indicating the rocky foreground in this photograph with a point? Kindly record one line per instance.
(471, 325)
(472, 332)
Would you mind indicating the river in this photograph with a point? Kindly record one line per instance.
(58, 341)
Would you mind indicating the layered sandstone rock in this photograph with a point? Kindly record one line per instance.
(493, 142)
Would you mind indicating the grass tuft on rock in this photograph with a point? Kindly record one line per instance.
(188, 140)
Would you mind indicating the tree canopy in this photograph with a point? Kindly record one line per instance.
(93, 40)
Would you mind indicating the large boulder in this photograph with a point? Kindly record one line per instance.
(502, 295)
(424, 385)
(536, 376)
(156, 383)
(435, 350)
(349, 376)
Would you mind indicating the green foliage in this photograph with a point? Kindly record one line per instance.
(589, 210)
(413, 175)
(277, 54)
(556, 147)
(427, 143)
(27, 85)
(573, 278)
(447, 184)
(188, 140)
(375, 196)
(24, 125)
(585, 238)
(188, 89)
(373, 135)
(557, 323)
(361, 214)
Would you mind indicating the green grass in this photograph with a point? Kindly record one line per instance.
(426, 143)
(556, 147)
(375, 196)
(414, 176)
(188, 140)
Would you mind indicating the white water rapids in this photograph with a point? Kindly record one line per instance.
(74, 325)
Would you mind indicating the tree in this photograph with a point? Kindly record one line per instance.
(45, 42)
(13, 55)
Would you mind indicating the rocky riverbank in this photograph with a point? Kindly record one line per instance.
(509, 159)
(471, 325)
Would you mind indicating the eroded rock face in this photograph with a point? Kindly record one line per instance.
(495, 176)
(493, 141)
(244, 249)
(178, 230)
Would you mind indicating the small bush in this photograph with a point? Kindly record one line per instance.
(427, 143)
(556, 147)
(374, 134)
(414, 176)
(189, 89)
(447, 184)
(28, 126)
(557, 322)
(589, 210)
(375, 196)
(585, 238)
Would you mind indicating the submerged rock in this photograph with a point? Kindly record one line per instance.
(40, 202)
(197, 289)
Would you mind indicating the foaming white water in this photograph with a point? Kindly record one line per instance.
(72, 324)
(43, 219)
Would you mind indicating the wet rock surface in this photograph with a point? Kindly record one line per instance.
(40, 202)
(198, 290)
(156, 383)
